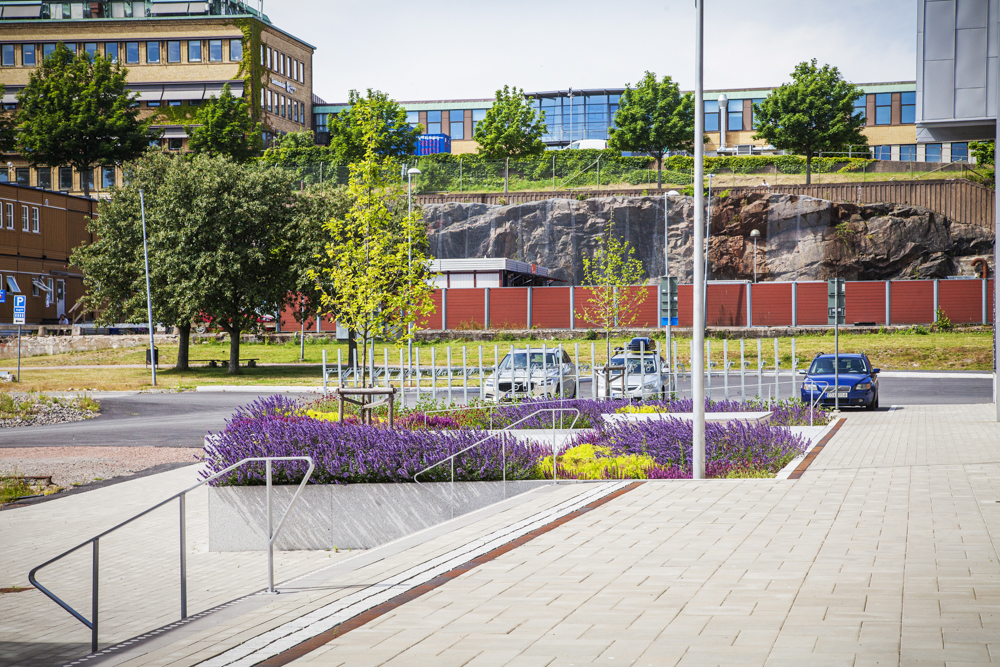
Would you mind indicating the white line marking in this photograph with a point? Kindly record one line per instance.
(920, 375)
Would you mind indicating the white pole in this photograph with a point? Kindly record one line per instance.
(760, 371)
(743, 370)
(324, 371)
(149, 296)
(465, 374)
(698, 360)
(777, 377)
(725, 366)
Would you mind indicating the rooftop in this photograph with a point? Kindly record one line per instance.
(20, 10)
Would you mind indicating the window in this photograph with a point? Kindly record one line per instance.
(173, 52)
(194, 51)
(433, 122)
(711, 116)
(132, 52)
(960, 152)
(87, 179)
(270, 103)
(47, 50)
(1, 226)
(263, 55)
(413, 118)
(282, 62)
(735, 114)
(12, 284)
(152, 52)
(284, 106)
(35, 225)
(321, 121)
(111, 51)
(153, 104)
(22, 176)
(71, 46)
(28, 55)
(883, 109)
(175, 103)
(236, 50)
(270, 58)
(908, 153)
(882, 152)
(65, 178)
(34, 288)
(10, 216)
(43, 175)
(194, 103)
(108, 179)
(932, 153)
(7, 55)
(457, 130)
(90, 48)
(861, 106)
(908, 108)
(477, 116)
(24, 219)
(215, 50)
(175, 144)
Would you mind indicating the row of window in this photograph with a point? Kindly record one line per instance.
(734, 115)
(86, 10)
(435, 125)
(283, 106)
(570, 118)
(279, 63)
(43, 177)
(193, 51)
(932, 152)
(883, 108)
(29, 221)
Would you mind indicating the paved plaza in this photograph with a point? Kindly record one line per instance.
(882, 553)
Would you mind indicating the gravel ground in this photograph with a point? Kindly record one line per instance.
(43, 410)
(80, 465)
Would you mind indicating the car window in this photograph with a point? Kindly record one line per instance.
(846, 365)
(521, 360)
(633, 366)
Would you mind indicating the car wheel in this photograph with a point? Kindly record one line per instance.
(874, 404)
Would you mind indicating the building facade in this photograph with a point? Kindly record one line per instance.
(179, 55)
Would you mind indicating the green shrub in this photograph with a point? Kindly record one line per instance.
(943, 322)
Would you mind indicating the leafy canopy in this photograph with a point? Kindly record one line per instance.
(224, 127)
(348, 136)
(813, 113)
(79, 111)
(512, 127)
(7, 123)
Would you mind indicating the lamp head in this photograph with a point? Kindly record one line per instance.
(413, 171)
(673, 193)
(722, 100)
(755, 233)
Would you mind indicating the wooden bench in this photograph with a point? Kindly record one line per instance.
(215, 363)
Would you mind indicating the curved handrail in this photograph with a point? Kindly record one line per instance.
(503, 450)
(95, 541)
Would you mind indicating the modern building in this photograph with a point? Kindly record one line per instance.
(573, 115)
(178, 54)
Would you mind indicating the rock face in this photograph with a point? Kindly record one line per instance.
(801, 238)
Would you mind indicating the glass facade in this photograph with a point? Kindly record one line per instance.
(457, 129)
(413, 118)
(932, 153)
(861, 106)
(908, 153)
(572, 118)
(28, 54)
(882, 152)
(433, 122)
(478, 115)
(960, 152)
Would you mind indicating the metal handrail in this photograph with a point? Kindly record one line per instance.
(503, 452)
(181, 497)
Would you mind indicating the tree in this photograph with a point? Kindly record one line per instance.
(7, 124)
(653, 118)
(374, 268)
(611, 273)
(79, 111)
(348, 135)
(813, 113)
(512, 128)
(224, 127)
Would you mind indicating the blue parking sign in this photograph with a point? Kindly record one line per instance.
(20, 306)
(3, 296)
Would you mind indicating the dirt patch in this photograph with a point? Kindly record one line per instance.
(70, 466)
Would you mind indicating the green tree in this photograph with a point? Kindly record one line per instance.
(79, 111)
(512, 127)
(224, 127)
(653, 118)
(348, 136)
(7, 123)
(813, 113)
(611, 270)
(374, 270)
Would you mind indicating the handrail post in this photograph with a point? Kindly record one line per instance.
(93, 596)
(184, 600)
(270, 536)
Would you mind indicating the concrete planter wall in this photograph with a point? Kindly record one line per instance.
(349, 516)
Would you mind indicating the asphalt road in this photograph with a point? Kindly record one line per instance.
(182, 420)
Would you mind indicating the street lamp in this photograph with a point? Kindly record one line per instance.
(410, 173)
(698, 296)
(755, 234)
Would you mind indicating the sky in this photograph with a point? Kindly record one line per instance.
(457, 49)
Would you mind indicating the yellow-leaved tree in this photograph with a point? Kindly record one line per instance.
(375, 266)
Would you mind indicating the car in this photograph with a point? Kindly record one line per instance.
(530, 373)
(593, 144)
(635, 374)
(858, 381)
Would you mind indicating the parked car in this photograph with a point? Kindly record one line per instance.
(595, 144)
(641, 375)
(530, 373)
(858, 381)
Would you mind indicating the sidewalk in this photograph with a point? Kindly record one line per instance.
(883, 552)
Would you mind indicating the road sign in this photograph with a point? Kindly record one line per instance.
(20, 305)
(668, 301)
(836, 301)
(3, 296)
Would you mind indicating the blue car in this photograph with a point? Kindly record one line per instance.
(858, 381)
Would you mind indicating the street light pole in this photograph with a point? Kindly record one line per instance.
(708, 238)
(149, 295)
(410, 173)
(754, 234)
(698, 360)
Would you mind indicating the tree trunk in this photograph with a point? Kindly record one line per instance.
(352, 348)
(84, 183)
(659, 171)
(183, 346)
(808, 168)
(234, 351)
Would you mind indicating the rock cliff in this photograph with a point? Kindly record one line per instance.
(801, 238)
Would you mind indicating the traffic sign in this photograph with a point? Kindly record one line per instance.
(3, 296)
(836, 301)
(668, 301)
(20, 306)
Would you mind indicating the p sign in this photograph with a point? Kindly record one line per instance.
(20, 305)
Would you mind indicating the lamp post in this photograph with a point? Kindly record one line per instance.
(149, 294)
(723, 120)
(698, 359)
(410, 173)
(755, 234)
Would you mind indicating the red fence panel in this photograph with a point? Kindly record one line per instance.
(648, 310)
(961, 300)
(865, 302)
(912, 301)
(466, 308)
(989, 300)
(433, 319)
(771, 304)
(727, 305)
(685, 305)
(509, 308)
(811, 304)
(550, 307)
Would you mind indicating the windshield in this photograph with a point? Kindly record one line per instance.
(847, 365)
(633, 365)
(521, 360)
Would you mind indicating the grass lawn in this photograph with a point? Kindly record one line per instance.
(891, 351)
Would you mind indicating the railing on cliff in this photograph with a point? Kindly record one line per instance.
(959, 200)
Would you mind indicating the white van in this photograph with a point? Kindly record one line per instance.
(595, 144)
